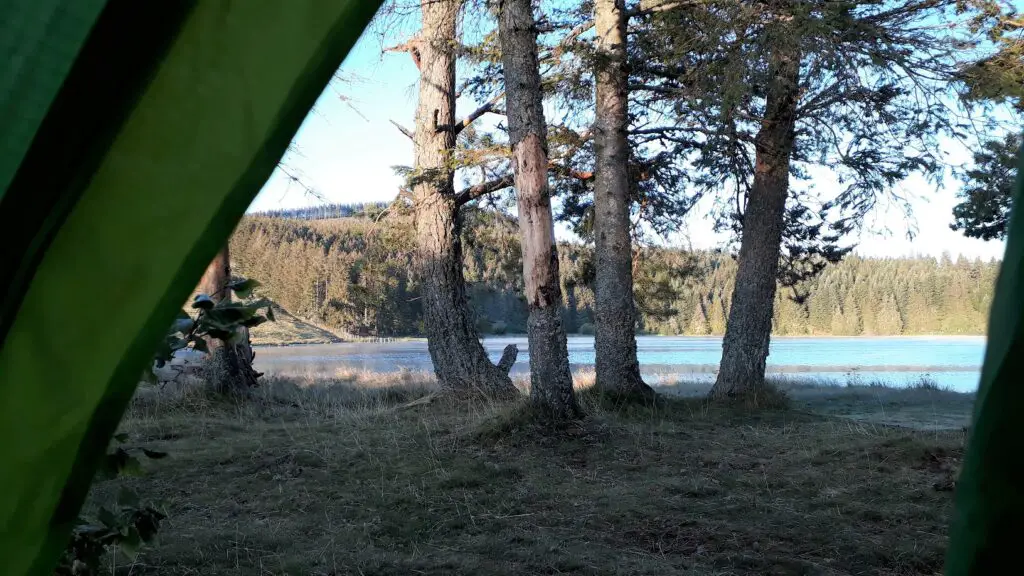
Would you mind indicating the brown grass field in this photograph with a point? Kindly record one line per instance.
(373, 475)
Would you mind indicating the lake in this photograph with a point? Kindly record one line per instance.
(954, 362)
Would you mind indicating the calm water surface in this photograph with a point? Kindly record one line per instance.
(950, 361)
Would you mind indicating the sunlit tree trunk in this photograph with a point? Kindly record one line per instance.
(748, 331)
(550, 378)
(460, 361)
(616, 365)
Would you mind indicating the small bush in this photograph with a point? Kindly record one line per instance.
(586, 329)
(924, 382)
(499, 328)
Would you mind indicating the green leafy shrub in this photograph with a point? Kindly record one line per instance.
(130, 522)
(123, 527)
(220, 320)
(499, 328)
(587, 329)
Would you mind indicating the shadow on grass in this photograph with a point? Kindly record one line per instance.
(380, 476)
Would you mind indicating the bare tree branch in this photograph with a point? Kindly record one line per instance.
(408, 133)
(584, 175)
(567, 40)
(478, 190)
(488, 107)
(412, 47)
(292, 177)
(649, 7)
(655, 6)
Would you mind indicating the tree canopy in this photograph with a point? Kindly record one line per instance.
(987, 192)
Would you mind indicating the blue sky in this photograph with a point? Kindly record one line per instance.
(347, 146)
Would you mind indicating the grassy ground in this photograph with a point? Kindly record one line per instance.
(924, 406)
(360, 477)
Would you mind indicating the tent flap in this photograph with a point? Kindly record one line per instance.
(989, 495)
(160, 181)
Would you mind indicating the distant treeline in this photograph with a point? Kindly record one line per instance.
(326, 211)
(354, 274)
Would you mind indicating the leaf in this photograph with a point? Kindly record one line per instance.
(154, 454)
(131, 467)
(131, 543)
(203, 302)
(127, 498)
(228, 316)
(175, 343)
(160, 507)
(200, 345)
(113, 463)
(183, 325)
(163, 352)
(222, 335)
(254, 321)
(107, 518)
(244, 288)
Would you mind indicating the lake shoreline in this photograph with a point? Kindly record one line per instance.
(343, 340)
(950, 361)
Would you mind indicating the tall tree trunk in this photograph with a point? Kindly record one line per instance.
(748, 331)
(460, 361)
(616, 365)
(550, 378)
(230, 368)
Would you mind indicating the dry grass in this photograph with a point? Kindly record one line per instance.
(288, 329)
(370, 475)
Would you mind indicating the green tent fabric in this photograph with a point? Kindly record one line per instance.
(39, 40)
(133, 136)
(989, 512)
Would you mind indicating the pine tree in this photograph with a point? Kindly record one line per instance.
(699, 324)
(550, 379)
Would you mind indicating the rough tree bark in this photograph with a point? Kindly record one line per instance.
(550, 379)
(230, 368)
(748, 331)
(460, 361)
(616, 366)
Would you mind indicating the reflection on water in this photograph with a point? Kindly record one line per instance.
(949, 361)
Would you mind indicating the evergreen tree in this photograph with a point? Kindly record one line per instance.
(550, 379)
(699, 324)
(987, 192)
(338, 272)
(763, 91)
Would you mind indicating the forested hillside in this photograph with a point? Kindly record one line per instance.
(354, 274)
